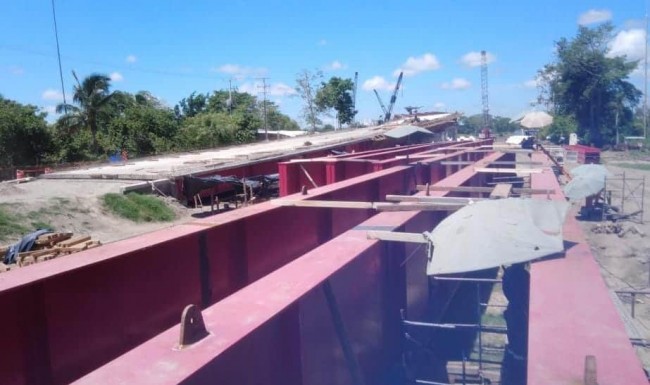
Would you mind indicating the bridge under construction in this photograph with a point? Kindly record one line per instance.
(300, 294)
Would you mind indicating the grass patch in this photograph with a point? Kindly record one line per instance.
(10, 224)
(42, 225)
(138, 208)
(635, 166)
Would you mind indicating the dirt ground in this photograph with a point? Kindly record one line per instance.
(625, 261)
(74, 206)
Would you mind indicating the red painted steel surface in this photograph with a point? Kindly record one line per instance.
(72, 314)
(270, 165)
(572, 314)
(333, 169)
(586, 154)
(285, 311)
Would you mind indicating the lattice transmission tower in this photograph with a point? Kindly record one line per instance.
(484, 91)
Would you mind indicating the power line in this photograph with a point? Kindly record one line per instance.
(115, 66)
(58, 53)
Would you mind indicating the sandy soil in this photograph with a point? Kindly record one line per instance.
(625, 261)
(74, 206)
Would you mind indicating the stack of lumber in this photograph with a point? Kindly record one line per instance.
(53, 245)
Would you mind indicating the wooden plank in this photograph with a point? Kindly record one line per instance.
(419, 206)
(77, 239)
(484, 189)
(380, 206)
(508, 170)
(311, 180)
(501, 190)
(397, 236)
(51, 238)
(328, 204)
(455, 189)
(429, 199)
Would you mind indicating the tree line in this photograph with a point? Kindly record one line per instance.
(100, 122)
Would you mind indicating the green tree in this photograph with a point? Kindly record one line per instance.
(191, 106)
(561, 127)
(473, 125)
(336, 94)
(24, 136)
(277, 121)
(91, 96)
(589, 84)
(213, 129)
(226, 101)
(139, 124)
(307, 86)
(503, 126)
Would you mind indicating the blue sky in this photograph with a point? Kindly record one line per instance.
(172, 48)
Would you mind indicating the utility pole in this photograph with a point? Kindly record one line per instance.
(229, 101)
(264, 88)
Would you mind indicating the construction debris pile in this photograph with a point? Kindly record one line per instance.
(616, 228)
(39, 247)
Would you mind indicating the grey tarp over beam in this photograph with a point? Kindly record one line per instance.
(492, 233)
(193, 185)
(405, 131)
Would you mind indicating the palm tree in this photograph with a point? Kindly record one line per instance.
(90, 96)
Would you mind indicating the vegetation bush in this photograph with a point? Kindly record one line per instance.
(138, 208)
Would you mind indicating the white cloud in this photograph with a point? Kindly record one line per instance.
(456, 84)
(335, 65)
(52, 94)
(322, 42)
(275, 89)
(439, 106)
(593, 16)
(281, 89)
(415, 65)
(377, 83)
(116, 77)
(628, 42)
(473, 59)
(240, 71)
(131, 59)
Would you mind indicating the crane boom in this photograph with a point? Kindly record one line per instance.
(383, 108)
(393, 98)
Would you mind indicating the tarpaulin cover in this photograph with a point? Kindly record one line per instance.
(591, 170)
(588, 180)
(404, 131)
(193, 185)
(492, 233)
(25, 244)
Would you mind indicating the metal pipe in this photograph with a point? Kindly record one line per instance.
(451, 326)
(463, 279)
